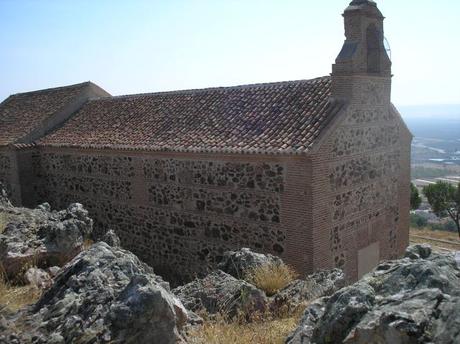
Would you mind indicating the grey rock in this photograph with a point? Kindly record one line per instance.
(410, 300)
(418, 251)
(104, 295)
(303, 334)
(111, 238)
(446, 328)
(236, 263)
(4, 200)
(43, 238)
(437, 271)
(222, 293)
(53, 271)
(194, 319)
(343, 310)
(301, 291)
(38, 278)
(401, 318)
(44, 207)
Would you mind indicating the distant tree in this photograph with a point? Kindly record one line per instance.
(444, 199)
(450, 226)
(415, 199)
(418, 221)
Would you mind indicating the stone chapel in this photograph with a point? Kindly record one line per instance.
(314, 171)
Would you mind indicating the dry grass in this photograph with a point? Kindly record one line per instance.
(4, 219)
(429, 237)
(271, 277)
(269, 328)
(15, 297)
(440, 235)
(265, 329)
(87, 243)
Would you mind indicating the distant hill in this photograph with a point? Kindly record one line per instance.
(433, 121)
(446, 111)
(436, 130)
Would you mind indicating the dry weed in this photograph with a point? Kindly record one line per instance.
(271, 277)
(15, 297)
(440, 235)
(263, 329)
(3, 221)
(87, 243)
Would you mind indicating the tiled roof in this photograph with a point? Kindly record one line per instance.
(284, 117)
(22, 113)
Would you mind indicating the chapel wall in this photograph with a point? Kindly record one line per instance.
(9, 174)
(180, 212)
(361, 178)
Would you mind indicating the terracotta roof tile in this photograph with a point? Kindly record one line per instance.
(284, 117)
(21, 113)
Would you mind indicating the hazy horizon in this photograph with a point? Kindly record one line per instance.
(147, 46)
(444, 111)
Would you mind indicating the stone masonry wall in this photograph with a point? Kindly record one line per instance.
(5, 168)
(180, 214)
(362, 171)
(9, 174)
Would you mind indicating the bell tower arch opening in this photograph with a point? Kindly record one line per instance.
(374, 41)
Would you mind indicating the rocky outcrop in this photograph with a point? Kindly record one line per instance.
(38, 278)
(42, 237)
(221, 293)
(104, 295)
(237, 263)
(301, 291)
(411, 300)
(111, 238)
(4, 201)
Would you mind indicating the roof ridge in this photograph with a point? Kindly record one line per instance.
(49, 89)
(208, 89)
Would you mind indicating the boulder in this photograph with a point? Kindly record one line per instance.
(236, 263)
(411, 300)
(41, 237)
(222, 293)
(418, 251)
(38, 278)
(53, 271)
(301, 291)
(104, 295)
(111, 238)
(4, 200)
(402, 318)
(447, 326)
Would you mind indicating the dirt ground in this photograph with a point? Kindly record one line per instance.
(439, 240)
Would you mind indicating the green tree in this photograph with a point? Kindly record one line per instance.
(415, 199)
(418, 221)
(444, 199)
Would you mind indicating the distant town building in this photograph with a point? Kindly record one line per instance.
(315, 171)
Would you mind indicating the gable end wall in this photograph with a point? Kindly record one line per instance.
(361, 177)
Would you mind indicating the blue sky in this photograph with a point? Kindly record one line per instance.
(145, 46)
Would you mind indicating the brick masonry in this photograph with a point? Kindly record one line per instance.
(361, 181)
(341, 201)
(180, 212)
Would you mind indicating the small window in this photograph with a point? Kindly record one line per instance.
(374, 44)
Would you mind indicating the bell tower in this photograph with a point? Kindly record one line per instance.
(363, 54)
